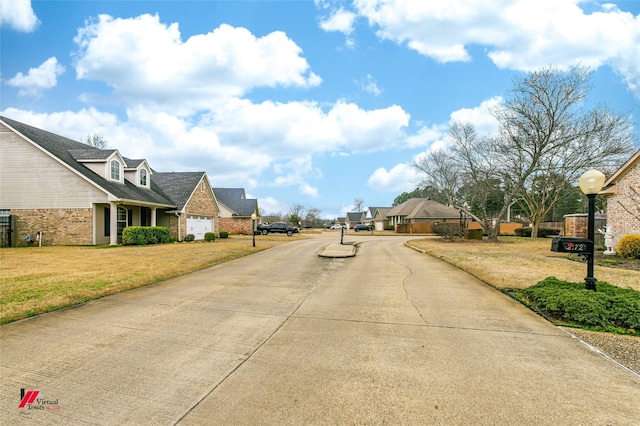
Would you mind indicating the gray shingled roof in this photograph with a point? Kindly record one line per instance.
(355, 216)
(65, 149)
(236, 200)
(178, 186)
(423, 208)
(383, 211)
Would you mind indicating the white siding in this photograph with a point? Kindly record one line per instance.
(31, 179)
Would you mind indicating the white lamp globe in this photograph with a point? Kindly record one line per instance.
(591, 182)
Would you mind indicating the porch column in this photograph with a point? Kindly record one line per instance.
(113, 224)
(153, 216)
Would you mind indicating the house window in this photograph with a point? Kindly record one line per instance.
(143, 177)
(115, 170)
(121, 220)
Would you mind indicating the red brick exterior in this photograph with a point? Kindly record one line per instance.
(240, 225)
(623, 207)
(58, 226)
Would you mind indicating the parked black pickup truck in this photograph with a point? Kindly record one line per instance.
(279, 228)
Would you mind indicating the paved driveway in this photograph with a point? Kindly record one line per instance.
(288, 337)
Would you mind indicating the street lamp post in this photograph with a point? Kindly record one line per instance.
(591, 183)
(253, 228)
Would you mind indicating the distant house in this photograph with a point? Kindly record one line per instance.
(67, 193)
(354, 218)
(379, 217)
(421, 211)
(623, 199)
(235, 210)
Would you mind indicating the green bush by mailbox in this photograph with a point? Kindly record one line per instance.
(571, 245)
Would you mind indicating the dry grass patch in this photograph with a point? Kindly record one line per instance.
(518, 262)
(41, 279)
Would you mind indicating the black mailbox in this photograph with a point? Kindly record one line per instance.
(572, 245)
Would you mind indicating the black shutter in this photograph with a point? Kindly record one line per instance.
(107, 222)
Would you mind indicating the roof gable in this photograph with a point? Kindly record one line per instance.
(64, 150)
(423, 208)
(235, 199)
(178, 186)
(609, 185)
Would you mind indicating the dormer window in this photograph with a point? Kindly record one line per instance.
(143, 177)
(115, 170)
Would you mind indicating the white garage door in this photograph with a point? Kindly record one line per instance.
(198, 225)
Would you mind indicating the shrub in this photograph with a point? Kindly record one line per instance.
(448, 231)
(224, 234)
(542, 232)
(209, 236)
(189, 238)
(629, 246)
(609, 308)
(143, 235)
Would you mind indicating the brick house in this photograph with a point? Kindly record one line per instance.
(379, 217)
(623, 199)
(354, 218)
(67, 193)
(421, 210)
(235, 210)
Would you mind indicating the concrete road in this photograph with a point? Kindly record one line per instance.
(390, 336)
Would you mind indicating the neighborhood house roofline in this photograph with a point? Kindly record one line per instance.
(58, 160)
(610, 184)
(51, 142)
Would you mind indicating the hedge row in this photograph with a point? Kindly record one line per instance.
(609, 308)
(143, 235)
(542, 232)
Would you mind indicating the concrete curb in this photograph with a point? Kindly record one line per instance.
(338, 250)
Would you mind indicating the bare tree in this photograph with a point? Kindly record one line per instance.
(312, 216)
(358, 204)
(546, 139)
(466, 174)
(96, 140)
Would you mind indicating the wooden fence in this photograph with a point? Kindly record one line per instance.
(427, 227)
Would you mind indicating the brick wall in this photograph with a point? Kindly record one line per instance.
(201, 203)
(623, 207)
(575, 225)
(58, 226)
(235, 225)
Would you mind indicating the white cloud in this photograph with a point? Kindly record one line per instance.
(427, 135)
(309, 190)
(19, 15)
(241, 141)
(401, 178)
(519, 34)
(37, 79)
(73, 125)
(270, 205)
(146, 61)
(480, 116)
(369, 85)
(340, 20)
(300, 128)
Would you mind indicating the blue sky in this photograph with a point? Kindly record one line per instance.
(299, 102)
